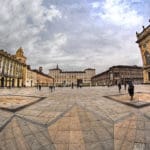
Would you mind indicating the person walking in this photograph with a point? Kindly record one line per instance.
(72, 85)
(119, 87)
(51, 88)
(131, 90)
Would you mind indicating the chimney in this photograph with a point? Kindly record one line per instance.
(40, 69)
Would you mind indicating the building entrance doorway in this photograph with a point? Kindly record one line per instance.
(2, 82)
(13, 82)
(79, 82)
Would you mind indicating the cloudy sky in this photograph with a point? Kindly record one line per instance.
(75, 34)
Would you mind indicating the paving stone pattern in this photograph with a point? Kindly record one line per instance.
(140, 99)
(15, 102)
(74, 119)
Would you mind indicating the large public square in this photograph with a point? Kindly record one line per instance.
(85, 118)
(75, 75)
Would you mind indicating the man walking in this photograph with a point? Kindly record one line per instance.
(131, 90)
(119, 87)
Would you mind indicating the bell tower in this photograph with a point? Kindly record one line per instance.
(20, 55)
(143, 40)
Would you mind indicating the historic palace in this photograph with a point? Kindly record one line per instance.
(143, 39)
(12, 69)
(14, 72)
(67, 78)
(117, 74)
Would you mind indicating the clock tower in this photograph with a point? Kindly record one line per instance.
(143, 40)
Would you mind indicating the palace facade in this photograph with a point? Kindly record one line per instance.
(67, 78)
(117, 74)
(15, 73)
(143, 39)
(35, 77)
(42, 78)
(12, 69)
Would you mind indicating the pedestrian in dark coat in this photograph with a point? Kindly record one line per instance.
(72, 85)
(119, 87)
(131, 90)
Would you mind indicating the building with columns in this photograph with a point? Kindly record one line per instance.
(143, 40)
(117, 74)
(67, 78)
(15, 73)
(12, 69)
(22, 59)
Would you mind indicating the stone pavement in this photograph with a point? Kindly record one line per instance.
(16, 102)
(73, 119)
(140, 99)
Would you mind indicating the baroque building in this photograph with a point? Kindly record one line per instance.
(12, 69)
(67, 78)
(15, 73)
(143, 39)
(117, 74)
(42, 78)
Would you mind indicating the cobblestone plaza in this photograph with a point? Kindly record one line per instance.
(72, 119)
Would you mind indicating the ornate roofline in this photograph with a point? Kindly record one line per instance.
(8, 55)
(142, 35)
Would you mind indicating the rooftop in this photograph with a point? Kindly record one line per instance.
(142, 35)
(57, 68)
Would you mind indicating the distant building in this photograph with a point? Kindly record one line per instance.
(143, 39)
(15, 73)
(101, 79)
(31, 77)
(42, 78)
(67, 78)
(12, 69)
(117, 74)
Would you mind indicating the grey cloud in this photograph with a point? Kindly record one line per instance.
(65, 32)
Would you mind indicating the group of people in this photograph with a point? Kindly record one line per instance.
(51, 88)
(130, 88)
(78, 85)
